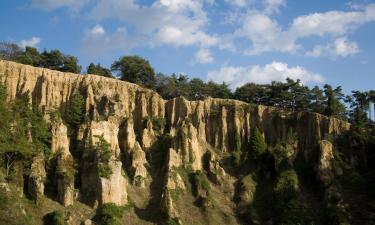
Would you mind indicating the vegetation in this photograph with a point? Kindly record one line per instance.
(53, 59)
(55, 218)
(109, 214)
(20, 123)
(74, 113)
(103, 150)
(99, 70)
(257, 146)
(135, 69)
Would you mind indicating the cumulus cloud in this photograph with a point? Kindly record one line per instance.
(271, 6)
(165, 22)
(275, 71)
(265, 34)
(74, 5)
(240, 3)
(341, 47)
(32, 42)
(204, 56)
(98, 42)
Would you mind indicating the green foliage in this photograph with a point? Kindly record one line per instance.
(159, 150)
(290, 208)
(20, 124)
(53, 59)
(103, 149)
(258, 145)
(74, 113)
(287, 186)
(109, 214)
(199, 182)
(334, 106)
(99, 70)
(64, 166)
(105, 170)
(136, 70)
(55, 218)
(10, 51)
(172, 221)
(158, 124)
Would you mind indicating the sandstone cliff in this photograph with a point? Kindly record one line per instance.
(201, 134)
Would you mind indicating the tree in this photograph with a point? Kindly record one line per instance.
(74, 114)
(56, 60)
(197, 89)
(10, 51)
(70, 64)
(99, 70)
(317, 100)
(136, 70)
(252, 93)
(258, 145)
(218, 90)
(53, 59)
(20, 131)
(31, 56)
(334, 106)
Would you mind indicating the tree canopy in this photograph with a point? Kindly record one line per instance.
(99, 70)
(135, 69)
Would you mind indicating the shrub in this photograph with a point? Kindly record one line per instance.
(74, 113)
(258, 145)
(103, 149)
(55, 218)
(199, 182)
(158, 124)
(109, 214)
(105, 170)
(286, 186)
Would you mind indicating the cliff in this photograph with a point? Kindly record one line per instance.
(201, 135)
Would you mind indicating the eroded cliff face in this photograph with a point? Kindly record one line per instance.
(200, 134)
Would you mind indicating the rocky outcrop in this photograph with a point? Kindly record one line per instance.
(113, 189)
(37, 177)
(124, 113)
(325, 164)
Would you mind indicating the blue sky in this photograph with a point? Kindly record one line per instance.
(235, 41)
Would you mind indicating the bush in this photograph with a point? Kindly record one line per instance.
(158, 124)
(286, 187)
(55, 218)
(74, 113)
(104, 154)
(109, 214)
(105, 170)
(199, 182)
(258, 145)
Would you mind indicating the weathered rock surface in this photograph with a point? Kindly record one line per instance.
(123, 113)
(325, 165)
(113, 189)
(37, 177)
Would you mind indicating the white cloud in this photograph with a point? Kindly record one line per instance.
(97, 42)
(34, 41)
(240, 3)
(74, 5)
(165, 22)
(204, 56)
(275, 71)
(97, 30)
(266, 35)
(341, 47)
(271, 6)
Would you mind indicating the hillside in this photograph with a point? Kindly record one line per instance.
(178, 161)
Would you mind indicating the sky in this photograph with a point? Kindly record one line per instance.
(232, 41)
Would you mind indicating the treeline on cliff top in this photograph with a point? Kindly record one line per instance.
(291, 94)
